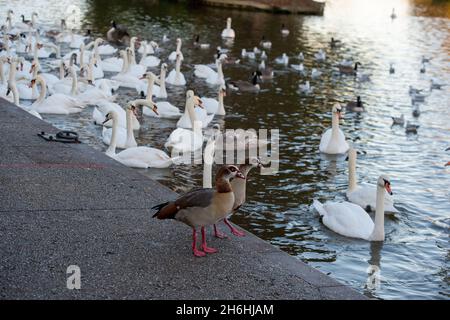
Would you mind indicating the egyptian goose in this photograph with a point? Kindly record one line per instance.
(202, 207)
(239, 187)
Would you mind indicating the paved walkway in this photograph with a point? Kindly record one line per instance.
(68, 204)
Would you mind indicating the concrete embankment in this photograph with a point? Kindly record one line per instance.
(68, 204)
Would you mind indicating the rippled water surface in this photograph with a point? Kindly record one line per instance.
(413, 261)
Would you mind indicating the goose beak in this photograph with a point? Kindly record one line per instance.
(387, 186)
(240, 175)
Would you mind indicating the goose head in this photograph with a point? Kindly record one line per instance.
(337, 110)
(384, 182)
(113, 24)
(228, 172)
(164, 67)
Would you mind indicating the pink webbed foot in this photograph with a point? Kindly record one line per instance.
(219, 234)
(237, 233)
(199, 253)
(208, 249)
(233, 230)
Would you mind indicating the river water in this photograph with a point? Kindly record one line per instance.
(413, 261)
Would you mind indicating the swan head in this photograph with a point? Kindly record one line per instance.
(112, 115)
(228, 21)
(384, 182)
(337, 109)
(223, 91)
(178, 41)
(164, 66)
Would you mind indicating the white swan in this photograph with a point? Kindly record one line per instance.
(185, 140)
(175, 77)
(228, 32)
(103, 107)
(215, 106)
(333, 140)
(55, 104)
(126, 79)
(211, 76)
(192, 114)
(148, 61)
(136, 157)
(125, 136)
(134, 68)
(165, 109)
(364, 195)
(351, 220)
(13, 89)
(173, 54)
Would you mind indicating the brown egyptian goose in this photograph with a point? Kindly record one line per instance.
(239, 187)
(202, 207)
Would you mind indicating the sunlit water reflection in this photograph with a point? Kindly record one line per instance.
(414, 259)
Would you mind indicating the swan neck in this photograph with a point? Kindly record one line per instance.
(74, 90)
(378, 230)
(15, 93)
(351, 171)
(61, 70)
(150, 83)
(190, 109)
(162, 86)
(130, 134)
(2, 76)
(111, 151)
(43, 92)
(125, 64)
(334, 125)
(12, 72)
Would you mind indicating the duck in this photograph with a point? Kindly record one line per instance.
(197, 43)
(299, 67)
(175, 77)
(136, 157)
(435, 84)
(306, 88)
(334, 43)
(245, 86)
(55, 104)
(239, 187)
(124, 137)
(393, 14)
(283, 59)
(350, 220)
(414, 91)
(315, 73)
(333, 140)
(391, 68)
(203, 207)
(266, 44)
(364, 195)
(186, 140)
(320, 55)
(348, 69)
(284, 31)
(425, 59)
(213, 106)
(398, 120)
(266, 72)
(118, 34)
(173, 55)
(191, 115)
(423, 68)
(248, 54)
(165, 108)
(355, 106)
(228, 32)
(411, 128)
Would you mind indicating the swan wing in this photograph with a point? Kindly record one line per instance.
(347, 219)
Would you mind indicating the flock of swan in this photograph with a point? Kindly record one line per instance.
(92, 71)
